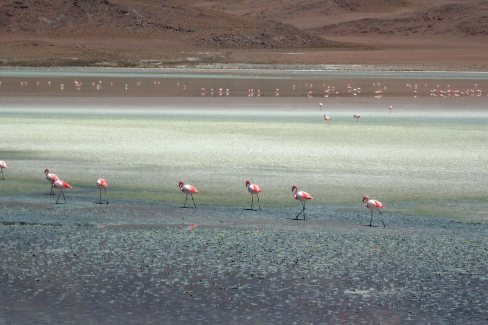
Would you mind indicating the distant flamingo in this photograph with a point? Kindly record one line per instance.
(51, 178)
(102, 184)
(328, 119)
(188, 190)
(301, 196)
(253, 189)
(320, 105)
(3, 165)
(60, 184)
(357, 117)
(373, 205)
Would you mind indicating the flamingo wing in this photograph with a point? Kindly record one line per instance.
(254, 188)
(61, 184)
(301, 195)
(51, 177)
(374, 204)
(102, 183)
(189, 189)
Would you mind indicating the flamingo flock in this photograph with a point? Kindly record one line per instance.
(309, 89)
(188, 189)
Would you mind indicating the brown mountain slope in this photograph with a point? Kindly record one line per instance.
(149, 19)
(168, 32)
(456, 19)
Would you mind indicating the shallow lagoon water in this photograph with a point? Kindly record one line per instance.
(143, 259)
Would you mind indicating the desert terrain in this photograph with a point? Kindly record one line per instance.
(399, 35)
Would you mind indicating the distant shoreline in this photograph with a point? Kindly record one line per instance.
(250, 67)
(273, 71)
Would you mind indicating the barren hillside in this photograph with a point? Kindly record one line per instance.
(156, 33)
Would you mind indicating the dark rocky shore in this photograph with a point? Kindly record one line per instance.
(148, 264)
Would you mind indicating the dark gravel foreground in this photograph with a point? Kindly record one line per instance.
(149, 264)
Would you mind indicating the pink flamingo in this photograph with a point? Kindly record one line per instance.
(3, 165)
(357, 117)
(301, 196)
(373, 205)
(328, 119)
(253, 189)
(51, 178)
(102, 184)
(188, 190)
(60, 184)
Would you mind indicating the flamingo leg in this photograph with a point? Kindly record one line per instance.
(370, 221)
(100, 197)
(184, 205)
(52, 189)
(259, 205)
(60, 192)
(252, 201)
(106, 194)
(296, 218)
(3, 176)
(303, 211)
(193, 202)
(384, 226)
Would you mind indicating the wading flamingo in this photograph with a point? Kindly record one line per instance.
(301, 196)
(51, 178)
(102, 184)
(328, 119)
(188, 190)
(253, 189)
(357, 117)
(373, 205)
(60, 184)
(3, 165)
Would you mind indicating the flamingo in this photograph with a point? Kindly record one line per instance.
(102, 184)
(328, 119)
(60, 184)
(301, 196)
(373, 205)
(51, 178)
(188, 190)
(253, 189)
(357, 117)
(3, 165)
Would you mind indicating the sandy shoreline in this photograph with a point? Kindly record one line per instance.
(252, 68)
